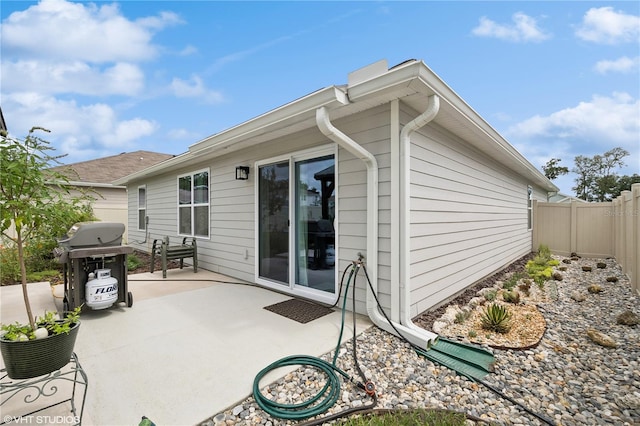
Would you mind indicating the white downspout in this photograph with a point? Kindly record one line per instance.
(417, 336)
(405, 205)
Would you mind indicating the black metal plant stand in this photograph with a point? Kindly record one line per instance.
(47, 386)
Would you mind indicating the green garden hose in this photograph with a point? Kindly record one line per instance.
(326, 397)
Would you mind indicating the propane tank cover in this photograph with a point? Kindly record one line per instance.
(101, 292)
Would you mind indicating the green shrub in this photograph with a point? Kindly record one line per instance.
(491, 295)
(510, 283)
(133, 262)
(496, 318)
(38, 250)
(511, 296)
(539, 272)
(10, 269)
(540, 268)
(544, 251)
(462, 316)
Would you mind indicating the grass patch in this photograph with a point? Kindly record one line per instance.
(40, 276)
(418, 417)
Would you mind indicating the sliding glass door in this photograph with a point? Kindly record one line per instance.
(273, 222)
(315, 214)
(297, 212)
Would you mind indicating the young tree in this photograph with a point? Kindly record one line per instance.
(624, 184)
(32, 196)
(597, 180)
(586, 169)
(552, 170)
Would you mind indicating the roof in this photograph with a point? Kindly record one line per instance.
(108, 169)
(412, 82)
(563, 198)
(3, 124)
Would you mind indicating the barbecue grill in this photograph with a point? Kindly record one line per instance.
(95, 265)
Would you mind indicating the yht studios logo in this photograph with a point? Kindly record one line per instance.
(41, 420)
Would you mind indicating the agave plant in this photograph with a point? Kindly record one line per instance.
(496, 318)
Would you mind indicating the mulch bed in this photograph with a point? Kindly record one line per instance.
(426, 319)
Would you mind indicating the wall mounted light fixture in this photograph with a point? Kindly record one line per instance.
(242, 173)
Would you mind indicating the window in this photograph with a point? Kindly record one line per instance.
(529, 207)
(193, 204)
(142, 208)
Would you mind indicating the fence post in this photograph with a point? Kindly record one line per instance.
(535, 238)
(635, 229)
(573, 226)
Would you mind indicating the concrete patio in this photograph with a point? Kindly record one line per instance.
(189, 347)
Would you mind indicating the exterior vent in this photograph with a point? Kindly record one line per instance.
(367, 73)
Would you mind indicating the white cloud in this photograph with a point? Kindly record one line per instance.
(607, 26)
(523, 29)
(98, 35)
(72, 77)
(607, 121)
(621, 65)
(183, 135)
(194, 88)
(77, 130)
(589, 128)
(188, 50)
(55, 50)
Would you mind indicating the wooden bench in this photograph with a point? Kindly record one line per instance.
(166, 251)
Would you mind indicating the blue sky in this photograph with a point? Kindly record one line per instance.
(556, 78)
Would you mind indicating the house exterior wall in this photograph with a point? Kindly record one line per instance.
(230, 248)
(370, 129)
(468, 213)
(468, 217)
(111, 205)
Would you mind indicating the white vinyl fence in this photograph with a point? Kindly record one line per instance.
(599, 230)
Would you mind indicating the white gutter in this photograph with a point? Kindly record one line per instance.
(405, 199)
(417, 336)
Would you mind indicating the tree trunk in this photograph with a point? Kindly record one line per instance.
(23, 273)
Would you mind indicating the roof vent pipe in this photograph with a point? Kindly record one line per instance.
(405, 205)
(417, 336)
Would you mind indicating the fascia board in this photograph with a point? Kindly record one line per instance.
(273, 120)
(172, 163)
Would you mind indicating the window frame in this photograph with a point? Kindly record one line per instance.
(529, 207)
(193, 205)
(142, 209)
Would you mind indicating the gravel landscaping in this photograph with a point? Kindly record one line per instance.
(567, 378)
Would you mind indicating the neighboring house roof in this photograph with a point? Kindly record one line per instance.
(563, 198)
(411, 81)
(3, 124)
(103, 171)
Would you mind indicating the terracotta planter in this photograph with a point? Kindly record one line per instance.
(33, 358)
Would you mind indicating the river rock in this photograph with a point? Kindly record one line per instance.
(601, 338)
(628, 317)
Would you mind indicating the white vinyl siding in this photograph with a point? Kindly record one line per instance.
(371, 130)
(468, 212)
(468, 217)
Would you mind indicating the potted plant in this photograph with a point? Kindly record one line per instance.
(32, 198)
(30, 352)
